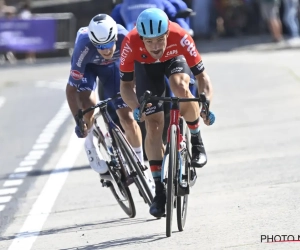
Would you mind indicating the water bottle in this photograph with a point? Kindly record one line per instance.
(108, 142)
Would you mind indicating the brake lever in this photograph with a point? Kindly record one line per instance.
(203, 100)
(144, 99)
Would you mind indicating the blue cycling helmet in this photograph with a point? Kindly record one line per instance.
(152, 22)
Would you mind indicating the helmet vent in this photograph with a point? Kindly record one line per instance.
(151, 27)
(99, 18)
(159, 26)
(94, 36)
(144, 30)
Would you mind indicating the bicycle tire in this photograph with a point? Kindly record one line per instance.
(130, 211)
(125, 191)
(181, 211)
(140, 182)
(182, 201)
(170, 182)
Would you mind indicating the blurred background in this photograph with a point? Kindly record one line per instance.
(250, 50)
(47, 28)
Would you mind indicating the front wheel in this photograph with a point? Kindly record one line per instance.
(125, 201)
(170, 182)
(134, 166)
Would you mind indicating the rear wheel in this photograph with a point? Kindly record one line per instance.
(182, 205)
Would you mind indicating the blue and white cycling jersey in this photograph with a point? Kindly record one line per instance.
(87, 64)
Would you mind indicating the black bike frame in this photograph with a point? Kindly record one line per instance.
(102, 105)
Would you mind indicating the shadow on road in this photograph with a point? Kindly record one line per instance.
(77, 228)
(38, 172)
(120, 242)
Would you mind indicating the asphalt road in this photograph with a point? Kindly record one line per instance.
(50, 199)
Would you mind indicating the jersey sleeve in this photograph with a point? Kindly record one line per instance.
(122, 32)
(188, 49)
(78, 63)
(126, 60)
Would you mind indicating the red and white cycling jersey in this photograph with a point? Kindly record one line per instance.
(179, 42)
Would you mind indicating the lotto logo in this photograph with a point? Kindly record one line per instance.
(190, 46)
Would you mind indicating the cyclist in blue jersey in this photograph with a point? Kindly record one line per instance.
(97, 54)
(127, 12)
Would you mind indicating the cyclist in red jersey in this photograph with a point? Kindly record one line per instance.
(163, 48)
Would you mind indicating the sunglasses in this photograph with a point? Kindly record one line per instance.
(105, 46)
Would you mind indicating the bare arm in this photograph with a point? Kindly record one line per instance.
(204, 85)
(127, 89)
(71, 93)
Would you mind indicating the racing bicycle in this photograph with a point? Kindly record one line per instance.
(177, 173)
(124, 167)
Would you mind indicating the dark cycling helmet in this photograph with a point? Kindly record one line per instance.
(152, 22)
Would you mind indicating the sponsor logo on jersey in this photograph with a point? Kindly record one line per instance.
(172, 45)
(150, 110)
(176, 70)
(82, 56)
(126, 50)
(76, 75)
(83, 30)
(190, 46)
(200, 66)
(172, 53)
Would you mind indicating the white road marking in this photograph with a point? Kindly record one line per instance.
(2, 100)
(10, 183)
(42, 207)
(37, 152)
(40, 146)
(8, 191)
(34, 155)
(27, 163)
(5, 199)
(23, 169)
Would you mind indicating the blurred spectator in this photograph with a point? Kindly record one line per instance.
(25, 13)
(2, 6)
(7, 12)
(127, 12)
(201, 22)
(290, 17)
(270, 13)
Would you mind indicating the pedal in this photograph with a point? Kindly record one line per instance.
(129, 181)
(182, 191)
(193, 175)
(114, 164)
(105, 183)
(144, 168)
(106, 176)
(133, 174)
(184, 177)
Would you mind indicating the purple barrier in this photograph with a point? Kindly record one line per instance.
(34, 35)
